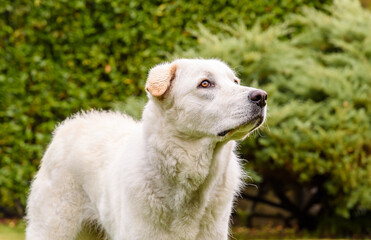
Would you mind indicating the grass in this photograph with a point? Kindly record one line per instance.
(14, 230)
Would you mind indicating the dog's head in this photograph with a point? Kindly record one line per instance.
(204, 98)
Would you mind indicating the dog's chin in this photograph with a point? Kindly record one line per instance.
(243, 130)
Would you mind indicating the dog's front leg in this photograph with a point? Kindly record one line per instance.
(215, 226)
(217, 232)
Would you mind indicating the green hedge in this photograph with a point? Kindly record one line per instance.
(315, 153)
(60, 56)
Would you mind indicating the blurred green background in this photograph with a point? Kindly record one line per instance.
(310, 165)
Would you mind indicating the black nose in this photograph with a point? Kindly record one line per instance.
(259, 97)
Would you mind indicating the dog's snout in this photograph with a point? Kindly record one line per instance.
(259, 97)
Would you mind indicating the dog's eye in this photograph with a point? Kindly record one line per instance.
(206, 84)
(236, 81)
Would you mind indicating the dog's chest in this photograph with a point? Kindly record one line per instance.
(194, 220)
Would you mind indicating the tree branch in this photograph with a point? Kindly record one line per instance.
(286, 202)
(262, 200)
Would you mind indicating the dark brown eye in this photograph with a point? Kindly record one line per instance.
(206, 84)
(236, 81)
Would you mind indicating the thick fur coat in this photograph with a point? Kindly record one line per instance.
(173, 175)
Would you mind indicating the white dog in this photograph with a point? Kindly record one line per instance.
(171, 176)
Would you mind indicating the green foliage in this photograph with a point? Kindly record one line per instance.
(316, 68)
(60, 56)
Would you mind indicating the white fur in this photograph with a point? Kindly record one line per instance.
(167, 177)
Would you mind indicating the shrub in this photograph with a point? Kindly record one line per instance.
(315, 154)
(57, 57)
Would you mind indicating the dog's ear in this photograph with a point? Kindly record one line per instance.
(159, 79)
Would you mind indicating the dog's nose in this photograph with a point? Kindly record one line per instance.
(259, 97)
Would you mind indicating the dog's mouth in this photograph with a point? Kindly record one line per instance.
(222, 134)
(244, 128)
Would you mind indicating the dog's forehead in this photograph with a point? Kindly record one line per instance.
(204, 67)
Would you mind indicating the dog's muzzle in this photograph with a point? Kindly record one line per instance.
(258, 97)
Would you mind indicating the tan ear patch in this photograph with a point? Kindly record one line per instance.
(159, 79)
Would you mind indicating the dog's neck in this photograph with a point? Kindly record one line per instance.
(182, 164)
